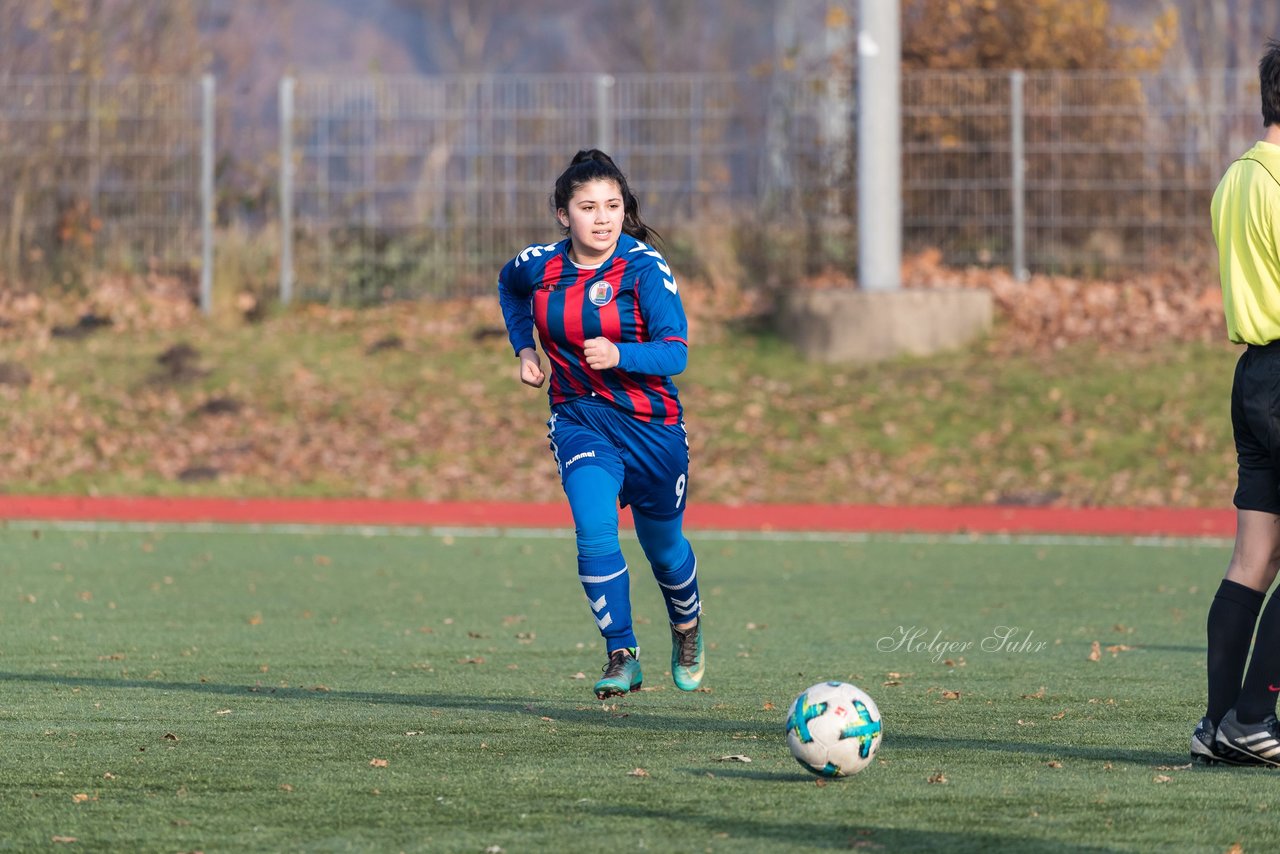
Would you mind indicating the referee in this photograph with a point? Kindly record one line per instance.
(1239, 726)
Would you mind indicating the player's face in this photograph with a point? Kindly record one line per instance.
(594, 219)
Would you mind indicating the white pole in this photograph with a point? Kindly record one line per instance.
(207, 213)
(604, 114)
(879, 146)
(1018, 169)
(286, 190)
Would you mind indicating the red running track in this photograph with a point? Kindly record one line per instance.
(1096, 521)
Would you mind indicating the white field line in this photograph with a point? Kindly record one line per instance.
(443, 532)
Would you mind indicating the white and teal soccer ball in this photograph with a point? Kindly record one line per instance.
(833, 729)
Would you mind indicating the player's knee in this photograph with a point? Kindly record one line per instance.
(670, 557)
(1254, 574)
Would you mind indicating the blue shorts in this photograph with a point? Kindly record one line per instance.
(650, 460)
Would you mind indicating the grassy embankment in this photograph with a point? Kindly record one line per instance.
(421, 401)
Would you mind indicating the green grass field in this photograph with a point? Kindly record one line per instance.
(231, 690)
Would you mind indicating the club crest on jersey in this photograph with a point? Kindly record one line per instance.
(600, 293)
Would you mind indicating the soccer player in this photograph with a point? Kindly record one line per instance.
(611, 323)
(1239, 726)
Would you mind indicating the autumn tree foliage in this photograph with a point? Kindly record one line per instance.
(1032, 35)
(79, 124)
(1081, 131)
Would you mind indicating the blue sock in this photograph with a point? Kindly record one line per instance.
(602, 569)
(607, 584)
(674, 565)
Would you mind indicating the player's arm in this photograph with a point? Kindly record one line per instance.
(666, 353)
(514, 295)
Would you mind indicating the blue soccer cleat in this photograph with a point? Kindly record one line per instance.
(688, 660)
(621, 674)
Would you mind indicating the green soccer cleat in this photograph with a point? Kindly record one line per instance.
(621, 674)
(688, 661)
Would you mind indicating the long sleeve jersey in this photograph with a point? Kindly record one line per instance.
(631, 299)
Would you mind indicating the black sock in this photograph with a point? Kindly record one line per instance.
(1258, 694)
(1232, 617)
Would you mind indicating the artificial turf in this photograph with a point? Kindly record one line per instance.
(229, 689)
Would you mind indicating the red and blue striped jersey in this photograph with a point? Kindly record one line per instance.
(631, 299)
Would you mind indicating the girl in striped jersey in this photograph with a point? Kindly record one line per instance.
(610, 320)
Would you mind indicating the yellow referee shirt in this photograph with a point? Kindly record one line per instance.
(1246, 227)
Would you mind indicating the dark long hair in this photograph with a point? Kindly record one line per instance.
(592, 164)
(1269, 78)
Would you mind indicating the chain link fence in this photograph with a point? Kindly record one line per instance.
(410, 187)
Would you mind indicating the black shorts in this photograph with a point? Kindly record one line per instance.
(1255, 421)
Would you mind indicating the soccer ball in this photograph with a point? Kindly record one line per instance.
(833, 729)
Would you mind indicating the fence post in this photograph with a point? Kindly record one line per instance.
(604, 114)
(286, 190)
(208, 92)
(1018, 174)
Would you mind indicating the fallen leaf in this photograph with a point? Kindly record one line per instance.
(1053, 763)
(1060, 715)
(64, 839)
(285, 787)
(938, 777)
(891, 683)
(735, 757)
(1162, 778)
(1039, 695)
(378, 763)
(638, 772)
(168, 736)
(79, 798)
(223, 712)
(1095, 651)
(579, 675)
(951, 695)
(768, 706)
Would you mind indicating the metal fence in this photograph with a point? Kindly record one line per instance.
(1084, 172)
(424, 186)
(105, 175)
(428, 185)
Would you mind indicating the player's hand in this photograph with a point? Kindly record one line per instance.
(601, 353)
(531, 368)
